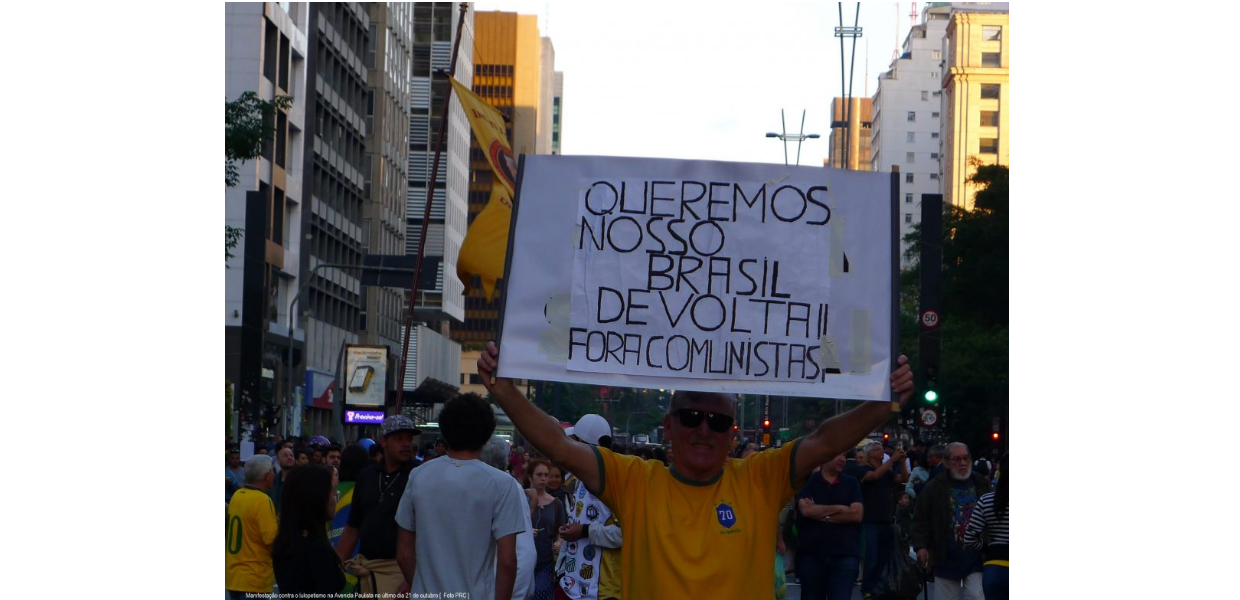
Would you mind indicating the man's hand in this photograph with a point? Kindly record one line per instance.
(780, 547)
(806, 505)
(402, 589)
(488, 363)
(555, 548)
(901, 380)
(572, 532)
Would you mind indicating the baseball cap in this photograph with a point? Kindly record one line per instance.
(590, 428)
(396, 423)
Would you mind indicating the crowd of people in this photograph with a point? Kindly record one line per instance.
(568, 516)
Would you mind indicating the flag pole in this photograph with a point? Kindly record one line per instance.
(426, 218)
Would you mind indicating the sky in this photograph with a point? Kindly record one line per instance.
(676, 80)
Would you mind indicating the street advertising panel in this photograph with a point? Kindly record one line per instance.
(365, 374)
(364, 417)
(702, 275)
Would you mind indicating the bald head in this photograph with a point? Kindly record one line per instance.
(708, 401)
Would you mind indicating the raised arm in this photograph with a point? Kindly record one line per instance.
(535, 426)
(844, 431)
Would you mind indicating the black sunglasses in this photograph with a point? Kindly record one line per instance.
(692, 418)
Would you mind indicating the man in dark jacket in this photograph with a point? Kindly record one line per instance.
(939, 521)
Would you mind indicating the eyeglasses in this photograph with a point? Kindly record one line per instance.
(964, 458)
(692, 418)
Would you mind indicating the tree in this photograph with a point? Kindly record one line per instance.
(973, 375)
(249, 129)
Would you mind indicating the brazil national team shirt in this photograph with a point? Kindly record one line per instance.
(252, 529)
(684, 539)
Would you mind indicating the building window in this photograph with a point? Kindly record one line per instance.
(990, 118)
(908, 217)
(992, 33)
(908, 157)
(910, 137)
(908, 178)
(934, 156)
(925, 95)
(988, 146)
(991, 59)
(936, 54)
(934, 115)
(908, 198)
(990, 91)
(934, 176)
(934, 135)
(912, 116)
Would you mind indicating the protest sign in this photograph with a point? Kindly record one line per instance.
(714, 276)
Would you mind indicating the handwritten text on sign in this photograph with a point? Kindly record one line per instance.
(707, 279)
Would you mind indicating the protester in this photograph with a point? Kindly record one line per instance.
(497, 453)
(332, 455)
(234, 474)
(878, 479)
(252, 528)
(304, 560)
(589, 565)
(459, 518)
(829, 512)
(372, 514)
(988, 531)
(939, 522)
(285, 462)
(548, 515)
(691, 530)
(555, 486)
(936, 464)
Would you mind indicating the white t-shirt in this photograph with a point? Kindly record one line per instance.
(447, 503)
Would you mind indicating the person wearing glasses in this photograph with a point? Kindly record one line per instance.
(704, 525)
(940, 520)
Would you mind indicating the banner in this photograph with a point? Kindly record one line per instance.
(486, 242)
(365, 370)
(713, 276)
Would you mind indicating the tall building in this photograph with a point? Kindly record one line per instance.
(907, 116)
(509, 68)
(856, 123)
(434, 31)
(335, 177)
(975, 96)
(385, 162)
(557, 108)
(266, 52)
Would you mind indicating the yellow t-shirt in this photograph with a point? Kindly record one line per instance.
(688, 540)
(251, 530)
(609, 584)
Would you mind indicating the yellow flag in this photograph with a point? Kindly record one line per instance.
(485, 247)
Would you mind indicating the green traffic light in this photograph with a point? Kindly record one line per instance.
(931, 395)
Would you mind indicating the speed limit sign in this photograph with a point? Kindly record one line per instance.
(929, 417)
(930, 318)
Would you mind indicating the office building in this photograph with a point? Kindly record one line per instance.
(975, 96)
(850, 134)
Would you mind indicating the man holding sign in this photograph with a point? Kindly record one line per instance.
(690, 530)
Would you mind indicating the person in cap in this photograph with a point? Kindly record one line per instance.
(704, 527)
(589, 563)
(372, 514)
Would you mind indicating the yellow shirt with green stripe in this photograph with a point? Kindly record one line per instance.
(684, 539)
(252, 528)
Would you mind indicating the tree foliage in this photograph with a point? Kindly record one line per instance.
(249, 129)
(973, 374)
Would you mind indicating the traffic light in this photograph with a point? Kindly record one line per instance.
(994, 436)
(932, 384)
(886, 437)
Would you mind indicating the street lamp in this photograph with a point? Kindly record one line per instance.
(795, 137)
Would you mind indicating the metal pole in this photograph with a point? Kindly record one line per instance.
(801, 137)
(783, 138)
(430, 196)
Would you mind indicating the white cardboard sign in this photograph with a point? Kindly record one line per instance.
(700, 275)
